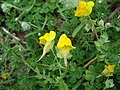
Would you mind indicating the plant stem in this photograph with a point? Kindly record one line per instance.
(65, 61)
(113, 13)
(86, 65)
(96, 34)
(57, 62)
(8, 33)
(94, 29)
(41, 57)
(44, 22)
(61, 13)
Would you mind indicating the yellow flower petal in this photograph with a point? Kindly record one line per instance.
(84, 8)
(48, 37)
(110, 68)
(108, 71)
(91, 3)
(82, 4)
(4, 76)
(87, 11)
(65, 43)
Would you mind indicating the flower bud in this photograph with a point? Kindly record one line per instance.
(25, 25)
(6, 7)
(4, 76)
(101, 23)
(107, 25)
(16, 1)
(100, 1)
(16, 19)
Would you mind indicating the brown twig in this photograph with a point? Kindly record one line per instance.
(113, 13)
(9, 34)
(86, 65)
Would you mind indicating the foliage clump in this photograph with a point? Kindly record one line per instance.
(59, 45)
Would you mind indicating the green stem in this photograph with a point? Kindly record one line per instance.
(57, 62)
(94, 29)
(96, 34)
(41, 57)
(91, 61)
(9, 34)
(77, 29)
(61, 13)
(16, 7)
(65, 61)
(56, 59)
(44, 22)
(35, 26)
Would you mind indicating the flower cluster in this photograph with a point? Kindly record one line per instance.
(64, 44)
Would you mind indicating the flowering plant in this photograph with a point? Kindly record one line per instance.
(48, 41)
(108, 71)
(82, 53)
(64, 46)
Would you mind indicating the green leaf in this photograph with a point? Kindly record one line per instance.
(117, 28)
(37, 70)
(109, 83)
(92, 68)
(88, 86)
(77, 29)
(101, 23)
(89, 75)
(72, 79)
(79, 72)
(72, 66)
(101, 57)
(63, 86)
(90, 25)
(47, 47)
(15, 48)
(70, 3)
(31, 33)
(101, 44)
(104, 38)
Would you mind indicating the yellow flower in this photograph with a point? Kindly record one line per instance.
(4, 76)
(48, 41)
(108, 71)
(65, 43)
(84, 8)
(64, 46)
(110, 68)
(48, 37)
